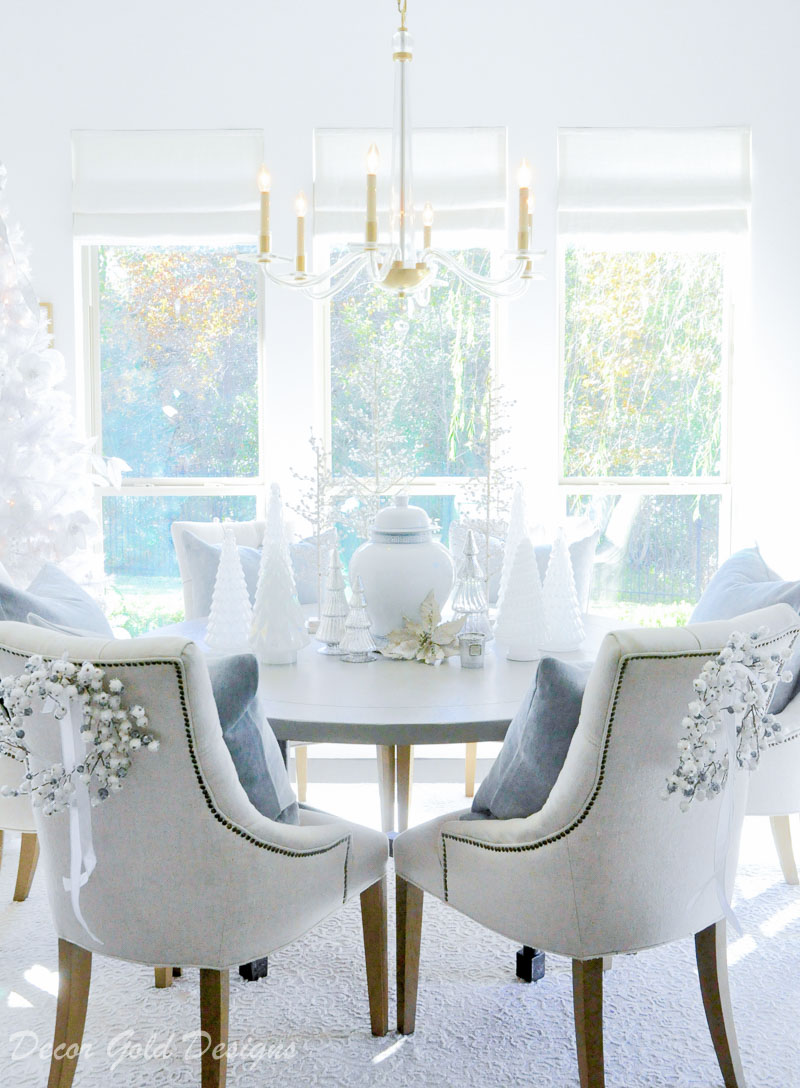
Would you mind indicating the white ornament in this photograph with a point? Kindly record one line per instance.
(562, 609)
(231, 612)
(357, 645)
(334, 608)
(517, 529)
(277, 631)
(521, 625)
(469, 597)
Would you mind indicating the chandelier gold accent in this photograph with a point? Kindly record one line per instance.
(397, 267)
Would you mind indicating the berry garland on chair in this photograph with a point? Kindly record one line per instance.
(739, 681)
(111, 732)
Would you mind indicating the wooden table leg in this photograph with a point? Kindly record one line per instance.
(301, 770)
(386, 785)
(405, 774)
(470, 762)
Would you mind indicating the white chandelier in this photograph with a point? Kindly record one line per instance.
(399, 267)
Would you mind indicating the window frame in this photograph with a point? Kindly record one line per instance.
(734, 254)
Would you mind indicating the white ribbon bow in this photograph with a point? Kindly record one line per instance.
(82, 858)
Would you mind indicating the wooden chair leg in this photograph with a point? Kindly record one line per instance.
(214, 1005)
(711, 949)
(782, 837)
(74, 976)
(408, 936)
(163, 977)
(374, 925)
(405, 774)
(470, 762)
(28, 857)
(386, 785)
(587, 999)
(301, 769)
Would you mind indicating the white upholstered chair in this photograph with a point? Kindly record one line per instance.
(247, 885)
(16, 814)
(775, 790)
(249, 534)
(607, 865)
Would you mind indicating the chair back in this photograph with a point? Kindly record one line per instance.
(249, 534)
(643, 871)
(169, 845)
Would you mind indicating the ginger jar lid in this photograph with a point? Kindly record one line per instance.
(401, 524)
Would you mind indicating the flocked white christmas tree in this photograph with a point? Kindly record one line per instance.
(334, 607)
(357, 644)
(562, 609)
(231, 612)
(45, 487)
(277, 631)
(469, 596)
(517, 529)
(521, 626)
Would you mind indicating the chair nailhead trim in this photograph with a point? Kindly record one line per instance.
(178, 665)
(511, 848)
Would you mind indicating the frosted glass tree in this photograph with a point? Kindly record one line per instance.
(357, 644)
(277, 631)
(517, 529)
(469, 597)
(231, 612)
(520, 626)
(561, 606)
(45, 486)
(334, 607)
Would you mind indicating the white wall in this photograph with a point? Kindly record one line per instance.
(290, 66)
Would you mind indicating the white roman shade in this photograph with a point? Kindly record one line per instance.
(161, 184)
(619, 180)
(461, 171)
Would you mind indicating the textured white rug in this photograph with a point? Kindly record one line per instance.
(307, 1024)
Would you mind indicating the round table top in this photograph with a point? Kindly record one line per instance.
(322, 698)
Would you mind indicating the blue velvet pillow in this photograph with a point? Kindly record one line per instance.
(536, 744)
(249, 737)
(54, 596)
(744, 583)
(202, 560)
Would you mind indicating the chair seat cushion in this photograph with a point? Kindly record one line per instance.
(54, 596)
(744, 583)
(536, 743)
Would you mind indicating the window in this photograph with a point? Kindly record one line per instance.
(406, 386)
(650, 268)
(173, 339)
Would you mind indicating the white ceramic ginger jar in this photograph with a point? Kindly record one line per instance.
(400, 565)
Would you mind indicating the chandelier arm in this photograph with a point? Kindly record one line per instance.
(341, 282)
(475, 279)
(303, 283)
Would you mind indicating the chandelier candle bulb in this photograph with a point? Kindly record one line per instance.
(301, 207)
(427, 225)
(264, 240)
(524, 179)
(373, 158)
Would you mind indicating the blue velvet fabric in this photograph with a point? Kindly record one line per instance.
(535, 745)
(744, 583)
(54, 596)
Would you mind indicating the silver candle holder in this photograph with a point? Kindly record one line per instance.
(472, 647)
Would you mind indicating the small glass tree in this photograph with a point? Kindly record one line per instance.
(469, 598)
(357, 645)
(334, 608)
(231, 612)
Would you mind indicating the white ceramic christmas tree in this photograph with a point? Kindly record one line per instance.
(357, 645)
(520, 625)
(334, 607)
(517, 529)
(469, 597)
(277, 631)
(231, 612)
(561, 606)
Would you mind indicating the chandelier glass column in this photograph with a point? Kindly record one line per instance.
(398, 267)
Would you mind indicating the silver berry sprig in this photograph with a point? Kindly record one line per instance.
(740, 681)
(111, 732)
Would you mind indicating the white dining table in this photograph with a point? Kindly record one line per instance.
(397, 704)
